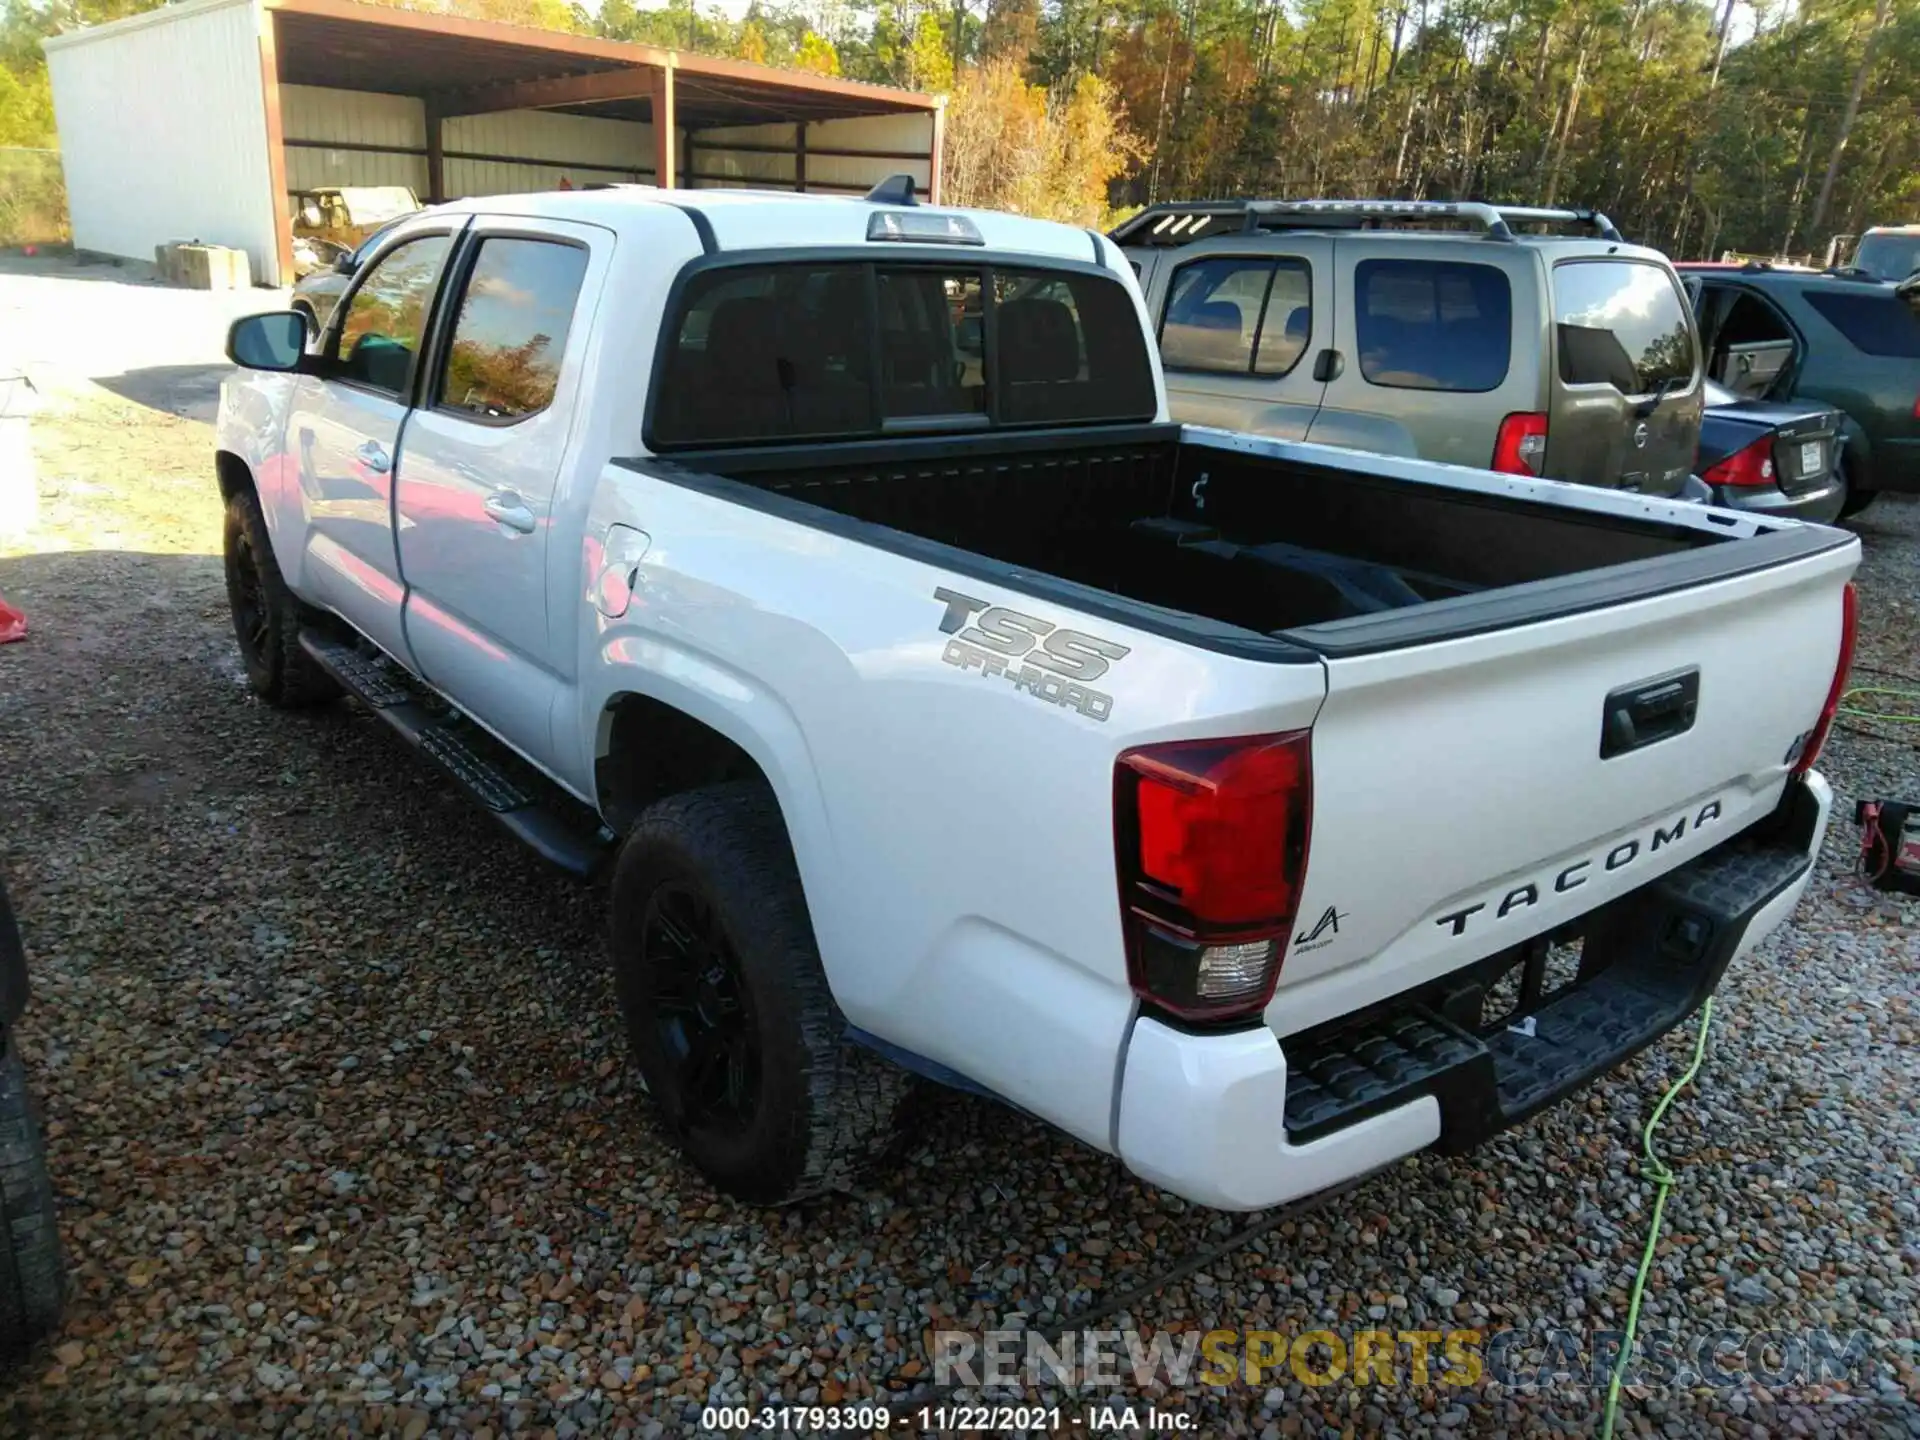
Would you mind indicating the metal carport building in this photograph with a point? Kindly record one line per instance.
(197, 121)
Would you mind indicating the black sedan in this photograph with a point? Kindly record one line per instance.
(1774, 457)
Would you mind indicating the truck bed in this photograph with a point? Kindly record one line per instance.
(1253, 538)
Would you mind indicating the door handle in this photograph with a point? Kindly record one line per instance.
(374, 456)
(510, 510)
(1327, 366)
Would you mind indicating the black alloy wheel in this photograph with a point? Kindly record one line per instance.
(701, 1011)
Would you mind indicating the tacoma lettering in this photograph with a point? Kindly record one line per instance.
(1619, 857)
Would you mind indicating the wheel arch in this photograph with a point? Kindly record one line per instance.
(653, 740)
(233, 474)
(1856, 450)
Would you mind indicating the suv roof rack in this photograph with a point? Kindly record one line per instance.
(1185, 221)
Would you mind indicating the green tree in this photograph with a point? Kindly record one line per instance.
(817, 53)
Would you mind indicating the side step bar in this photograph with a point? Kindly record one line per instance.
(527, 804)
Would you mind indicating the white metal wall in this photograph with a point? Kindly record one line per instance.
(911, 133)
(162, 121)
(547, 147)
(356, 117)
(528, 149)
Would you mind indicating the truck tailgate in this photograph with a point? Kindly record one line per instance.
(1474, 792)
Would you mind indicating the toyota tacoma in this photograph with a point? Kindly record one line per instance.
(828, 575)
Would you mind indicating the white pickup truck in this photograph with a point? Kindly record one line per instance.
(1256, 812)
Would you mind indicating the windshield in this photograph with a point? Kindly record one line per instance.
(1889, 256)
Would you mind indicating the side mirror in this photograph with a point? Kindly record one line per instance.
(343, 263)
(268, 342)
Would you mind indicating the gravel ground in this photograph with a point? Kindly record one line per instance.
(345, 1140)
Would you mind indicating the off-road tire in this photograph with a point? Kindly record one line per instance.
(32, 1278)
(823, 1106)
(266, 617)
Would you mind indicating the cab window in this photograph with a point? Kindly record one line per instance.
(504, 359)
(384, 319)
(764, 352)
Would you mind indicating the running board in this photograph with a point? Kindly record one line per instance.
(529, 805)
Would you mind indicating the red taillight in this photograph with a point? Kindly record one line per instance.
(1212, 845)
(1521, 446)
(1751, 466)
(1817, 739)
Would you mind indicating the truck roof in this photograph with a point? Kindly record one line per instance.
(775, 219)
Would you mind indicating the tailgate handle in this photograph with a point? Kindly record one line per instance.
(1649, 711)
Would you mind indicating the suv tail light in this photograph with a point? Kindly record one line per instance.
(1211, 837)
(1817, 738)
(1751, 466)
(1521, 446)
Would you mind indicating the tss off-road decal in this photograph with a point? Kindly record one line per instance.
(1034, 655)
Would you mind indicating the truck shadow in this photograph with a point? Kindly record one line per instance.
(189, 391)
(274, 894)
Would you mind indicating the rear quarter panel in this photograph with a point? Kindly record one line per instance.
(953, 832)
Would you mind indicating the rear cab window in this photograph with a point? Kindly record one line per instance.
(1433, 324)
(1622, 323)
(763, 352)
(1875, 321)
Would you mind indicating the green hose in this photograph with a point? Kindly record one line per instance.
(1662, 1177)
(1654, 1168)
(1894, 716)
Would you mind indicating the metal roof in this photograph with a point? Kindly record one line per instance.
(460, 64)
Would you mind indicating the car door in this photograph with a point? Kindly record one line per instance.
(1753, 347)
(1426, 362)
(1238, 331)
(482, 458)
(344, 432)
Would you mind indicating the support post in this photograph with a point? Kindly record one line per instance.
(666, 153)
(935, 157)
(282, 271)
(436, 155)
(800, 156)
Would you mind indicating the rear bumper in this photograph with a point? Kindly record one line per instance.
(1820, 505)
(1239, 1122)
